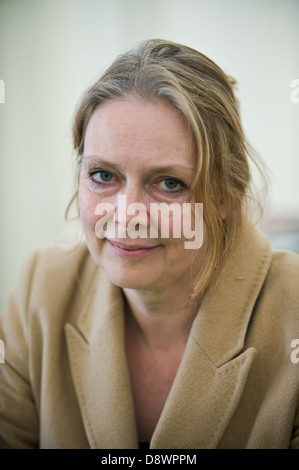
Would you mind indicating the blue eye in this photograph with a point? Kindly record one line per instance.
(171, 184)
(101, 176)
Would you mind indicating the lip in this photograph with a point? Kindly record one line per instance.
(130, 251)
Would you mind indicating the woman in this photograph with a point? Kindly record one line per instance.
(134, 338)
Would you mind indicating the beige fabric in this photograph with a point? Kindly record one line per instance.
(65, 382)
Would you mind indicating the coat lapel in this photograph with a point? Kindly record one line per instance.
(202, 400)
(99, 369)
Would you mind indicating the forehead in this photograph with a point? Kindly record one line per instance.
(133, 128)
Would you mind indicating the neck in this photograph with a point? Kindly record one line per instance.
(160, 320)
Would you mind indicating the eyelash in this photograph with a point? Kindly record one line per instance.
(166, 178)
(181, 183)
(94, 172)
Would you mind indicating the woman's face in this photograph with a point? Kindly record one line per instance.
(140, 152)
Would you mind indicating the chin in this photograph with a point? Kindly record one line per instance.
(133, 280)
(130, 274)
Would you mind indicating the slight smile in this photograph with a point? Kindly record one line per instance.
(130, 251)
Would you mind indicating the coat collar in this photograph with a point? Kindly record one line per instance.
(212, 372)
(221, 325)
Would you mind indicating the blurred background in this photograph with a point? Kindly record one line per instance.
(52, 50)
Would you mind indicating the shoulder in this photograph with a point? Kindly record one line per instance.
(50, 275)
(54, 258)
(280, 292)
(57, 263)
(284, 271)
(286, 259)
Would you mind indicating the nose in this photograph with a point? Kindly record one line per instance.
(132, 207)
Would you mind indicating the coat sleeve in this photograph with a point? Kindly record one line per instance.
(19, 421)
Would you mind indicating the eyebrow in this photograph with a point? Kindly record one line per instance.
(152, 169)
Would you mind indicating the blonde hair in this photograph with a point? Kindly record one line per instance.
(204, 95)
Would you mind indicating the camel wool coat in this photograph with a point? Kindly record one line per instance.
(65, 381)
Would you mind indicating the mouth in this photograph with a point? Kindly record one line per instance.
(130, 251)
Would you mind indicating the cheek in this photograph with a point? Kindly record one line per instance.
(166, 223)
(179, 220)
(87, 206)
(180, 256)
